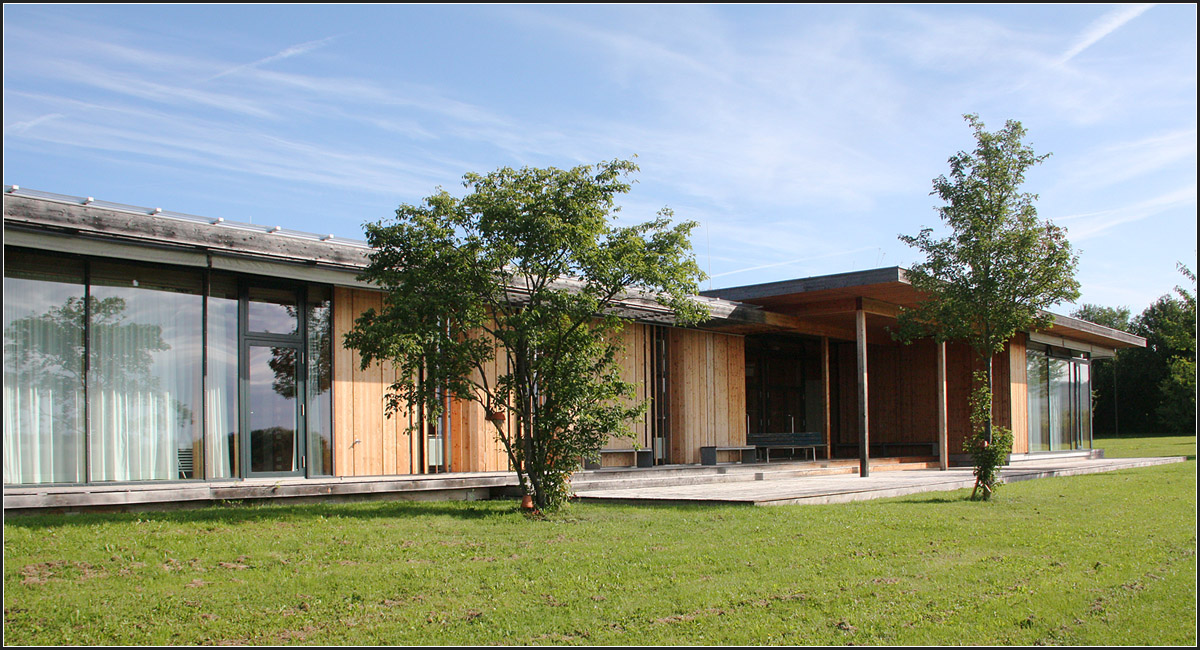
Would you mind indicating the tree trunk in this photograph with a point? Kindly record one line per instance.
(987, 426)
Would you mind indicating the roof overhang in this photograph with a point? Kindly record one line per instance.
(73, 225)
(831, 301)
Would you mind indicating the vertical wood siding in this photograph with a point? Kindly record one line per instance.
(708, 392)
(365, 441)
(902, 391)
(474, 442)
(635, 365)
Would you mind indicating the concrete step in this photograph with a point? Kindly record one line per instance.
(625, 479)
(1015, 460)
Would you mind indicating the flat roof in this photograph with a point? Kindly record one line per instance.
(85, 226)
(832, 297)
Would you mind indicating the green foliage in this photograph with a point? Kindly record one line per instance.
(526, 270)
(1117, 318)
(988, 454)
(1177, 406)
(998, 269)
(1000, 266)
(1155, 387)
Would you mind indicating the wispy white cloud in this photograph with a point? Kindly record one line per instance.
(17, 128)
(1105, 25)
(1110, 164)
(794, 262)
(1093, 224)
(287, 53)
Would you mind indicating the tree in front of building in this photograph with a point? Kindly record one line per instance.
(993, 275)
(510, 297)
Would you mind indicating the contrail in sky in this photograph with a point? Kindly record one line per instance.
(1105, 25)
(294, 50)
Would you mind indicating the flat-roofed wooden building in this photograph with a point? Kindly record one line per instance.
(142, 346)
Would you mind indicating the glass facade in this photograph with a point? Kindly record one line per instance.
(145, 330)
(136, 372)
(320, 381)
(1060, 405)
(45, 405)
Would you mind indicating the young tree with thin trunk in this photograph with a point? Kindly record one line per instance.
(526, 273)
(994, 274)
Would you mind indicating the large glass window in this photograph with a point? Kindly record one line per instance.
(320, 382)
(1039, 407)
(44, 399)
(221, 384)
(1060, 407)
(145, 347)
(130, 372)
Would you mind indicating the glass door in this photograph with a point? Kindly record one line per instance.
(273, 382)
(273, 410)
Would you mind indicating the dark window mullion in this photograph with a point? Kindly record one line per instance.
(87, 371)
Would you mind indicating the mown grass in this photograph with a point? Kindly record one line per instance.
(1099, 559)
(1142, 446)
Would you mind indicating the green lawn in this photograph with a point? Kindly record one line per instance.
(1140, 446)
(1102, 559)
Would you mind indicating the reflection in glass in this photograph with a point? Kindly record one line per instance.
(271, 391)
(320, 404)
(1039, 412)
(1083, 403)
(144, 374)
(221, 447)
(272, 311)
(43, 370)
(1061, 411)
(1060, 401)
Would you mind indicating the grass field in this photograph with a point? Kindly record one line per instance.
(1100, 559)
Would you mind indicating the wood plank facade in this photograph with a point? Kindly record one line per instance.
(694, 379)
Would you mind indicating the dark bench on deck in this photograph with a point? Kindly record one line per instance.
(708, 455)
(643, 458)
(792, 440)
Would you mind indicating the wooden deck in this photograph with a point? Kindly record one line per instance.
(146, 496)
(776, 483)
(780, 485)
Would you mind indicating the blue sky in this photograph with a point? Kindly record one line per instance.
(803, 139)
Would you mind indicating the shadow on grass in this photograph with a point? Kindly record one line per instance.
(239, 512)
(934, 500)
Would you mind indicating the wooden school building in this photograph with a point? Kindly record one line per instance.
(147, 348)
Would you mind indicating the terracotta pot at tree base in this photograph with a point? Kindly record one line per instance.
(527, 502)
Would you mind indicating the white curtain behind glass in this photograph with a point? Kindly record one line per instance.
(144, 383)
(43, 380)
(221, 387)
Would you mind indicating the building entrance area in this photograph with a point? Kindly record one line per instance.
(785, 394)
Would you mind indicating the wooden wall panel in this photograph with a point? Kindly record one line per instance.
(344, 360)
(366, 442)
(903, 393)
(634, 363)
(1019, 394)
(474, 445)
(708, 392)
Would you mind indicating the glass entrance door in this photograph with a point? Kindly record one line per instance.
(274, 380)
(273, 410)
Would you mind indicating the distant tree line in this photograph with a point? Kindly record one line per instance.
(1155, 386)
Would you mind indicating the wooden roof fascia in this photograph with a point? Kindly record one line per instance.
(153, 230)
(816, 283)
(1064, 326)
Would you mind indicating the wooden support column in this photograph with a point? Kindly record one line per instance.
(864, 438)
(943, 443)
(825, 383)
